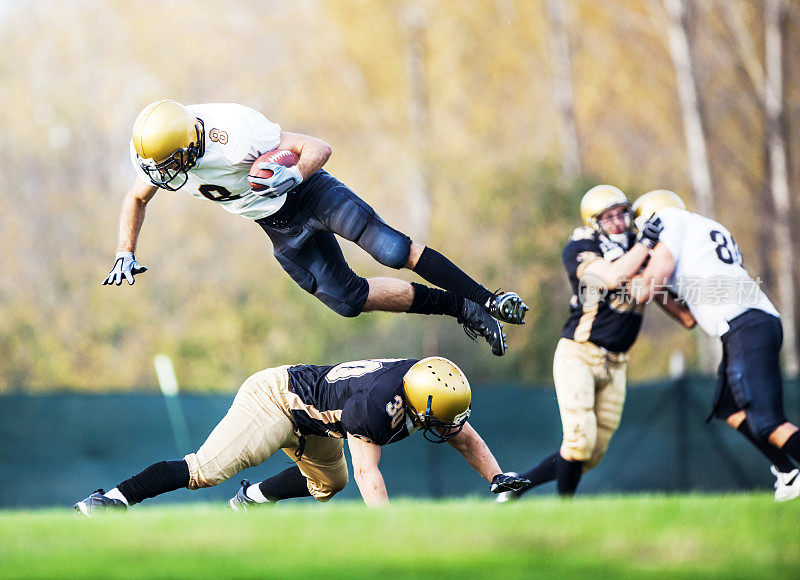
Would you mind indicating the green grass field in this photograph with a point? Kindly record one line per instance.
(657, 536)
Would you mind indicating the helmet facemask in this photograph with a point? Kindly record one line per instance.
(436, 430)
(600, 199)
(627, 218)
(180, 162)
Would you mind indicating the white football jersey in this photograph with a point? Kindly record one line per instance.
(235, 136)
(708, 274)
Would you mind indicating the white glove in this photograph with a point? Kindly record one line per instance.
(126, 266)
(283, 179)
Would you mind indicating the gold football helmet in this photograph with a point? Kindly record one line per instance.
(599, 199)
(168, 140)
(438, 397)
(652, 201)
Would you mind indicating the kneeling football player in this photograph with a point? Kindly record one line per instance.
(308, 411)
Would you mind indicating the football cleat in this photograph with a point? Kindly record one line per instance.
(507, 307)
(98, 502)
(477, 321)
(507, 496)
(241, 503)
(787, 485)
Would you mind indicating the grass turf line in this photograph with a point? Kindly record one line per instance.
(659, 536)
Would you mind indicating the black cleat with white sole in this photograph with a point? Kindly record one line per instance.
(507, 307)
(478, 322)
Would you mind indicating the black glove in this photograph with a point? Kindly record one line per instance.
(508, 482)
(650, 232)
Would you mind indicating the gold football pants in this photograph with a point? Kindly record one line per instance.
(255, 427)
(590, 386)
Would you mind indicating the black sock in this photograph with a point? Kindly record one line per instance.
(792, 447)
(159, 478)
(777, 456)
(568, 475)
(287, 484)
(434, 301)
(441, 272)
(542, 473)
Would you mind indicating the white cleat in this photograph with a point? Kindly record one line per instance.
(787, 485)
(507, 496)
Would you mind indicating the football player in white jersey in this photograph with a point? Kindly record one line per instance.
(208, 150)
(698, 259)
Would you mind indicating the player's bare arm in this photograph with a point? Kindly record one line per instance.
(130, 224)
(132, 215)
(313, 152)
(610, 275)
(365, 457)
(469, 444)
(675, 309)
(477, 453)
(655, 275)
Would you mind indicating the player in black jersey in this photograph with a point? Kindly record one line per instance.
(591, 358)
(308, 411)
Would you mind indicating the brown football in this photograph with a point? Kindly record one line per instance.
(283, 157)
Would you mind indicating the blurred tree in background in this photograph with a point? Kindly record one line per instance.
(451, 107)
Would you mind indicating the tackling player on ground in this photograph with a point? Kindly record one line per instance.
(208, 150)
(308, 411)
(590, 362)
(698, 259)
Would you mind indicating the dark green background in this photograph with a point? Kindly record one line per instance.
(55, 449)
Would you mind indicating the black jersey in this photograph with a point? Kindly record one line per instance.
(363, 397)
(611, 319)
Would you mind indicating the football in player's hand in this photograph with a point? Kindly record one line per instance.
(283, 157)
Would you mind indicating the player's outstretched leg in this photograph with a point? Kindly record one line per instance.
(156, 479)
(394, 295)
(440, 271)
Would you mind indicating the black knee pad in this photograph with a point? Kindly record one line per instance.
(388, 246)
(338, 306)
(345, 300)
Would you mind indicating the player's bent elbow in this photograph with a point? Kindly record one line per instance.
(325, 150)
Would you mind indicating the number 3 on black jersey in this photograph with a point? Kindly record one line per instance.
(727, 249)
